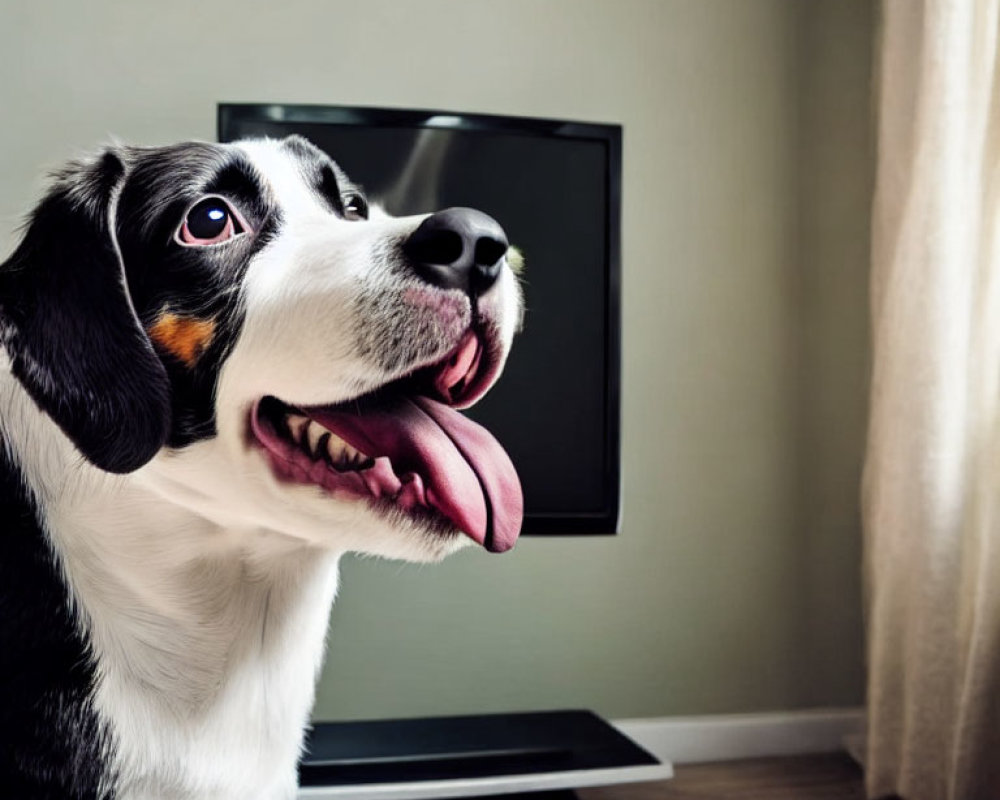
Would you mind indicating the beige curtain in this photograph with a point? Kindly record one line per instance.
(932, 474)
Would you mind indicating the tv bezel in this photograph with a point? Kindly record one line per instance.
(606, 521)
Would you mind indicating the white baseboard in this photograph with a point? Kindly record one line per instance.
(688, 740)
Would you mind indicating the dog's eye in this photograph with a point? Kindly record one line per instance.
(210, 221)
(355, 207)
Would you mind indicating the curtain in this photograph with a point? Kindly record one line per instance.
(931, 495)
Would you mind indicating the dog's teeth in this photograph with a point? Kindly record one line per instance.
(314, 432)
(361, 461)
(318, 442)
(340, 451)
(341, 454)
(296, 426)
(335, 449)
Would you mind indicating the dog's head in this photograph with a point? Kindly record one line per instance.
(235, 327)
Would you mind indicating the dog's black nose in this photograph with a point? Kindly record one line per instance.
(458, 248)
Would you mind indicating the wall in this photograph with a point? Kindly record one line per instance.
(835, 180)
(733, 585)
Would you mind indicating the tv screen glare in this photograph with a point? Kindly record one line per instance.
(555, 188)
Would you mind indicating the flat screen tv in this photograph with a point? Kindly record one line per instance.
(555, 187)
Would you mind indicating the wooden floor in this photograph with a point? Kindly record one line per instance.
(826, 777)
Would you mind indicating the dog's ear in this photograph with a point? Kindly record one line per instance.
(67, 322)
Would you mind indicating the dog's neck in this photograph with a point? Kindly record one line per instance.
(189, 603)
(207, 639)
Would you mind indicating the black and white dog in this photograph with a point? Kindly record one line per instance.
(219, 373)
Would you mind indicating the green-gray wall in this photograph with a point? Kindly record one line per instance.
(734, 583)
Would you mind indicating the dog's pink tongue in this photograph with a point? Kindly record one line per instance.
(467, 474)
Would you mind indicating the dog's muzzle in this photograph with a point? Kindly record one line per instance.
(405, 446)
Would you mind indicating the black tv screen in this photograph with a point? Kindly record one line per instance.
(555, 188)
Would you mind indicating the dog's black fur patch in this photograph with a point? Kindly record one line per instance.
(330, 181)
(51, 743)
(202, 283)
(68, 326)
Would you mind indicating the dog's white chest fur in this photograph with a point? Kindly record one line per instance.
(207, 643)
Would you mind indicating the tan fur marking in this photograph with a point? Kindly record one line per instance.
(182, 336)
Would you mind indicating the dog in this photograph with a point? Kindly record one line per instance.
(221, 369)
